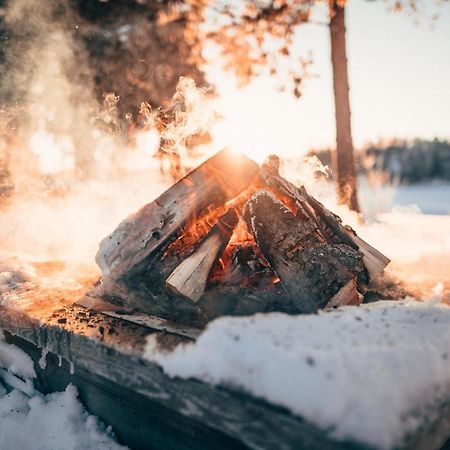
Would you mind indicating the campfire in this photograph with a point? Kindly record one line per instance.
(235, 238)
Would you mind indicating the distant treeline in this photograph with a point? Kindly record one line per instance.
(412, 161)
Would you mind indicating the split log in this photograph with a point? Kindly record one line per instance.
(141, 235)
(311, 270)
(189, 278)
(329, 225)
(348, 295)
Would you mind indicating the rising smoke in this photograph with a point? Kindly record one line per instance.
(73, 175)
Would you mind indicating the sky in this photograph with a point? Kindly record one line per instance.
(399, 75)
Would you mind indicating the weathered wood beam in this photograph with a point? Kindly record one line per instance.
(329, 224)
(169, 413)
(216, 181)
(311, 270)
(189, 278)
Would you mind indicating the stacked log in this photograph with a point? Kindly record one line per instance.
(301, 257)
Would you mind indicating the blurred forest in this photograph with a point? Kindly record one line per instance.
(406, 161)
(136, 49)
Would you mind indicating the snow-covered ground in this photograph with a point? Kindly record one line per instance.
(428, 198)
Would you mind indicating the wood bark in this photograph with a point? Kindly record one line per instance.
(311, 270)
(343, 157)
(189, 278)
(216, 181)
(328, 224)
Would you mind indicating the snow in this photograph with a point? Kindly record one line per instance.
(30, 420)
(55, 421)
(370, 373)
(429, 198)
(367, 373)
(15, 360)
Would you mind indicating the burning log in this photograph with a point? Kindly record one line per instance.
(329, 225)
(189, 278)
(311, 270)
(289, 253)
(142, 235)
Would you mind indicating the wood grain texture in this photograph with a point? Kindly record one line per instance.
(189, 278)
(181, 406)
(147, 408)
(328, 224)
(311, 270)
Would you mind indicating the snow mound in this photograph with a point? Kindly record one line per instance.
(15, 360)
(29, 420)
(371, 373)
(56, 421)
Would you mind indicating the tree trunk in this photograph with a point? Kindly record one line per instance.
(344, 163)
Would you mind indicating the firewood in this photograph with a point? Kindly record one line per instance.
(146, 232)
(347, 295)
(329, 224)
(311, 270)
(189, 278)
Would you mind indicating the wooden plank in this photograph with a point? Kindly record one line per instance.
(138, 422)
(132, 316)
(216, 181)
(118, 384)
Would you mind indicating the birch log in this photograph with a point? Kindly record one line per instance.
(189, 278)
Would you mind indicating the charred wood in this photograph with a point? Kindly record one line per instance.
(143, 234)
(328, 224)
(311, 270)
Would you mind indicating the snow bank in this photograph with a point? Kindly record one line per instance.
(56, 421)
(15, 360)
(368, 373)
(29, 420)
